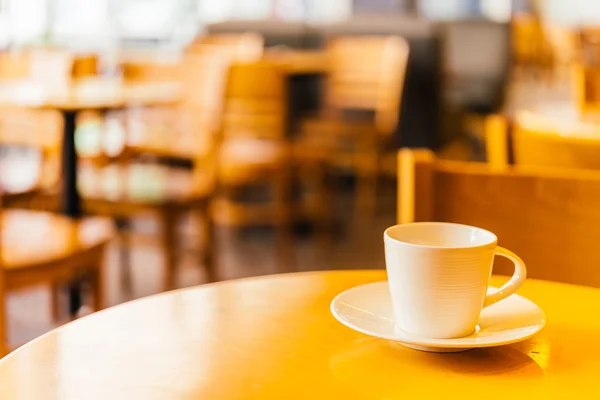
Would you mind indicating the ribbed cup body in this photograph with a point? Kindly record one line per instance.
(438, 292)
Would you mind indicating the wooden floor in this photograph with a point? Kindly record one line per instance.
(357, 244)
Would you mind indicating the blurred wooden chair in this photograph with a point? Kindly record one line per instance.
(41, 63)
(40, 248)
(586, 72)
(151, 131)
(550, 219)
(532, 52)
(14, 65)
(24, 176)
(125, 189)
(533, 142)
(255, 149)
(85, 66)
(361, 106)
(242, 47)
(187, 130)
(38, 130)
(563, 43)
(151, 70)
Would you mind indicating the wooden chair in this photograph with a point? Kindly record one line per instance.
(151, 131)
(586, 72)
(550, 218)
(532, 51)
(534, 142)
(85, 66)
(151, 70)
(127, 184)
(187, 130)
(361, 107)
(24, 177)
(126, 189)
(38, 248)
(254, 148)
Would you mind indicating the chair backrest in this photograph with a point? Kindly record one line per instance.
(535, 142)
(531, 47)
(41, 129)
(85, 65)
(367, 73)
(49, 67)
(35, 129)
(204, 76)
(151, 70)
(586, 70)
(588, 45)
(255, 101)
(14, 65)
(550, 218)
(243, 47)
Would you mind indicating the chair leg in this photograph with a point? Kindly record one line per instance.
(96, 281)
(55, 311)
(168, 222)
(325, 217)
(283, 212)
(124, 233)
(206, 224)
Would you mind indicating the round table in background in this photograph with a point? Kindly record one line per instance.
(273, 337)
(96, 94)
(89, 95)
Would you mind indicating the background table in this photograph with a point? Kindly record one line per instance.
(97, 94)
(274, 337)
(87, 95)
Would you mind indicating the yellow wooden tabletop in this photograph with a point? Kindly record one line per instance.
(274, 338)
(90, 94)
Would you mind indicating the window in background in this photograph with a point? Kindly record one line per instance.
(320, 11)
(449, 9)
(380, 6)
(23, 21)
(212, 11)
(497, 10)
(290, 10)
(81, 23)
(145, 19)
(253, 9)
(572, 12)
(168, 22)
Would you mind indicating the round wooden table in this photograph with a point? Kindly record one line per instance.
(96, 94)
(273, 337)
(91, 94)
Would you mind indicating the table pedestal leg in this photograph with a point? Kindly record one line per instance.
(69, 195)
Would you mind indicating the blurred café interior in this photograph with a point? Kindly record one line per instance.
(149, 145)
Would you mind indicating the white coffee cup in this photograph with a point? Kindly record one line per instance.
(438, 275)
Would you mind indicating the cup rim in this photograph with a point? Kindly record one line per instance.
(386, 236)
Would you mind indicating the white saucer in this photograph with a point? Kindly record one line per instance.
(368, 309)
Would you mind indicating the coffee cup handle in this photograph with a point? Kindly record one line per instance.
(515, 282)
